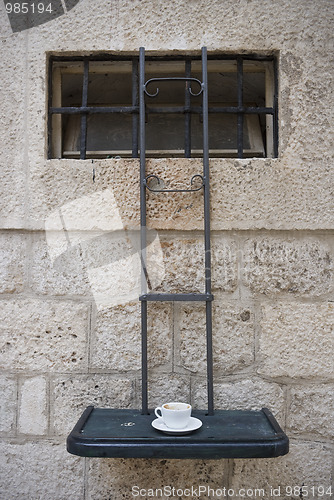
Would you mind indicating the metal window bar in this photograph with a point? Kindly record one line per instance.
(50, 94)
(83, 124)
(187, 110)
(240, 125)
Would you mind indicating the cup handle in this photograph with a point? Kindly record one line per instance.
(156, 412)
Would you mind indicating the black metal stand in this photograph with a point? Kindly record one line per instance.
(207, 297)
(103, 432)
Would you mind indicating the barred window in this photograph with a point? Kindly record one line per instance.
(94, 106)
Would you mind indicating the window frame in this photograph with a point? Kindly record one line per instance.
(60, 64)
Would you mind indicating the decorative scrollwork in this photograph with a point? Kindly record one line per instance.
(175, 78)
(153, 190)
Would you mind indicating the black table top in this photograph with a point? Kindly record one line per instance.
(106, 432)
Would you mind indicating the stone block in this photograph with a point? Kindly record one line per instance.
(116, 342)
(95, 210)
(13, 132)
(112, 202)
(38, 470)
(36, 113)
(183, 267)
(69, 33)
(13, 251)
(65, 198)
(246, 394)
(33, 418)
(103, 265)
(304, 87)
(58, 269)
(113, 267)
(123, 179)
(233, 337)
(307, 465)
(302, 267)
(297, 340)
(126, 478)
(8, 404)
(73, 394)
(12, 192)
(224, 264)
(43, 335)
(176, 210)
(311, 410)
(285, 189)
(164, 388)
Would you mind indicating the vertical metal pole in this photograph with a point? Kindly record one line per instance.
(144, 398)
(207, 246)
(240, 127)
(83, 127)
(187, 116)
(143, 227)
(135, 103)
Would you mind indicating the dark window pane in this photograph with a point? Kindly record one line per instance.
(109, 132)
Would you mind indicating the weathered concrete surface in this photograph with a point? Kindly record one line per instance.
(8, 404)
(285, 187)
(297, 340)
(120, 476)
(33, 407)
(250, 393)
(311, 410)
(301, 267)
(39, 469)
(307, 464)
(43, 335)
(233, 339)
(13, 252)
(69, 267)
(116, 339)
(71, 395)
(13, 133)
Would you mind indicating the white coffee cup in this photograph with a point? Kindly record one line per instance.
(174, 415)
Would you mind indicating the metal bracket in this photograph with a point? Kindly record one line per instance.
(173, 190)
(174, 78)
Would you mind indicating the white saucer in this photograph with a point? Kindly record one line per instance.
(193, 425)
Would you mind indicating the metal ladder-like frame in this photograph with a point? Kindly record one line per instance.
(146, 296)
(127, 433)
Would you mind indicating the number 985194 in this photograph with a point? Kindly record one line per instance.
(25, 8)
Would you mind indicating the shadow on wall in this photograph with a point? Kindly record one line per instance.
(112, 257)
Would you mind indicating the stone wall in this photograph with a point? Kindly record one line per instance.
(69, 283)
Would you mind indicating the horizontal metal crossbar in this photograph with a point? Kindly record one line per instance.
(72, 110)
(211, 109)
(177, 297)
